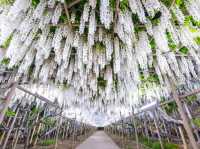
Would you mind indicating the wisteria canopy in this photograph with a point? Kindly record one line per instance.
(102, 58)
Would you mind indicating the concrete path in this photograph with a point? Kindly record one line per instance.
(99, 140)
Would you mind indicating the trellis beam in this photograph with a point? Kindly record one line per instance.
(73, 3)
(39, 97)
(182, 97)
(73, 25)
(67, 13)
(194, 92)
(116, 14)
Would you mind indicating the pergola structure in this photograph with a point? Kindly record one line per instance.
(101, 61)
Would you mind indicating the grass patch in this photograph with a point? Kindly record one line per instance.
(155, 144)
(10, 113)
(47, 142)
(196, 122)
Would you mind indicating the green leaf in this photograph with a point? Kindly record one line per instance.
(193, 29)
(181, 5)
(171, 107)
(35, 3)
(187, 20)
(156, 19)
(151, 78)
(123, 5)
(191, 99)
(5, 61)
(147, 81)
(52, 29)
(167, 3)
(184, 50)
(100, 47)
(6, 2)
(139, 28)
(153, 43)
(135, 18)
(197, 40)
(49, 121)
(7, 42)
(112, 4)
(196, 121)
(63, 18)
(171, 43)
(179, 2)
(101, 82)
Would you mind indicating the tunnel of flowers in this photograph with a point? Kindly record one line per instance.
(70, 67)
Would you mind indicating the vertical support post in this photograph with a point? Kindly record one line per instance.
(136, 134)
(190, 118)
(165, 130)
(4, 133)
(10, 130)
(145, 128)
(74, 134)
(158, 130)
(18, 132)
(58, 128)
(34, 128)
(122, 134)
(38, 130)
(142, 129)
(176, 130)
(8, 99)
(182, 137)
(85, 131)
(63, 134)
(184, 117)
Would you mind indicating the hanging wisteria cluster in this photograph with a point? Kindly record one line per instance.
(106, 51)
(75, 106)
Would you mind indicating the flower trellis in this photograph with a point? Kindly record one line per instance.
(105, 50)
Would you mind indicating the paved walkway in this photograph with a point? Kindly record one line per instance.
(99, 140)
